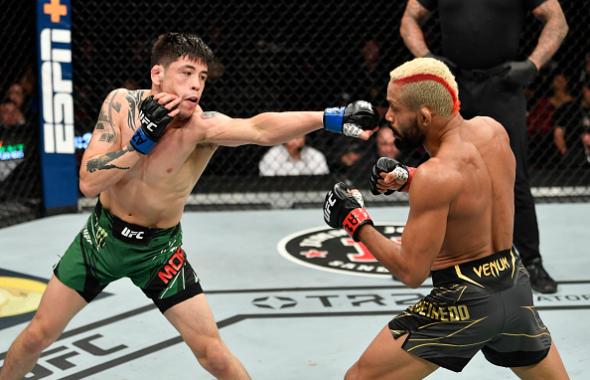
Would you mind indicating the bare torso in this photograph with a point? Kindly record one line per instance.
(154, 191)
(480, 218)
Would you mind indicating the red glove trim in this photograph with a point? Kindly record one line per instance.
(354, 220)
(406, 187)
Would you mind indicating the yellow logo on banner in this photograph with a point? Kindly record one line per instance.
(19, 295)
(55, 10)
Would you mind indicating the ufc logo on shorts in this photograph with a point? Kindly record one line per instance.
(132, 234)
(147, 122)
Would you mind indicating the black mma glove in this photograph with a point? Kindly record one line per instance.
(520, 72)
(154, 119)
(386, 165)
(344, 208)
(352, 119)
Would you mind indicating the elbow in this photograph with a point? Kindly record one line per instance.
(87, 188)
(412, 282)
(265, 139)
(413, 278)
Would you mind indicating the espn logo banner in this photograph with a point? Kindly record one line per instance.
(58, 161)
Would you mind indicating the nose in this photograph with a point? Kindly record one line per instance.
(389, 116)
(197, 84)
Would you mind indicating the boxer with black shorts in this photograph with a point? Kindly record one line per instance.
(480, 43)
(459, 229)
(147, 152)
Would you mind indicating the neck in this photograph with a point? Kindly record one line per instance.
(439, 131)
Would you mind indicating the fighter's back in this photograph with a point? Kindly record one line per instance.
(480, 219)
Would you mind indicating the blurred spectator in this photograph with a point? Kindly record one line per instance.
(10, 115)
(355, 160)
(386, 143)
(371, 78)
(584, 76)
(540, 120)
(27, 82)
(586, 144)
(572, 127)
(293, 158)
(16, 94)
(345, 161)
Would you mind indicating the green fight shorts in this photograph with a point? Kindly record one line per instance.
(108, 248)
(486, 305)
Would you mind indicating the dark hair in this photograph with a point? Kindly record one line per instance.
(171, 46)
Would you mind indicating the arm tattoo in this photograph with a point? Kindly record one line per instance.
(105, 119)
(107, 137)
(104, 162)
(133, 99)
(208, 114)
(553, 33)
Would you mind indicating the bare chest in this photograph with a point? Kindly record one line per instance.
(174, 160)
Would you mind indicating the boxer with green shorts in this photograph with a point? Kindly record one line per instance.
(148, 150)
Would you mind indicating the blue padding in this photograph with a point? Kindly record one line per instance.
(141, 142)
(333, 119)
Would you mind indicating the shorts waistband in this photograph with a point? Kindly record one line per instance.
(129, 232)
(489, 271)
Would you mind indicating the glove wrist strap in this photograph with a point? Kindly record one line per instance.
(406, 186)
(142, 142)
(333, 119)
(354, 220)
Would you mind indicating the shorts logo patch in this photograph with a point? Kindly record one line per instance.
(334, 251)
(171, 268)
(132, 234)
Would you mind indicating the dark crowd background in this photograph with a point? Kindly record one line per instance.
(272, 56)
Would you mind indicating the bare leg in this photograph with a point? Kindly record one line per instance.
(550, 368)
(58, 306)
(385, 359)
(194, 320)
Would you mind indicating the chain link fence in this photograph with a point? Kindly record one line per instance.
(20, 183)
(284, 56)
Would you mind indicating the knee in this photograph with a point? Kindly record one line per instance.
(37, 337)
(215, 357)
(353, 372)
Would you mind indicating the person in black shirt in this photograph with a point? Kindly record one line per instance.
(480, 43)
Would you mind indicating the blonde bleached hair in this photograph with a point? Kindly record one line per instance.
(427, 82)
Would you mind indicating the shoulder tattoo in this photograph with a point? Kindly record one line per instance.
(133, 100)
(209, 114)
(105, 119)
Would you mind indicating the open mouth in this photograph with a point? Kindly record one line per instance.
(193, 100)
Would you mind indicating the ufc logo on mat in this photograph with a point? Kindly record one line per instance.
(132, 234)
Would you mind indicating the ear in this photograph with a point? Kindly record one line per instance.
(424, 117)
(157, 74)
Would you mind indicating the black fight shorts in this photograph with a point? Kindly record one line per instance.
(485, 305)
